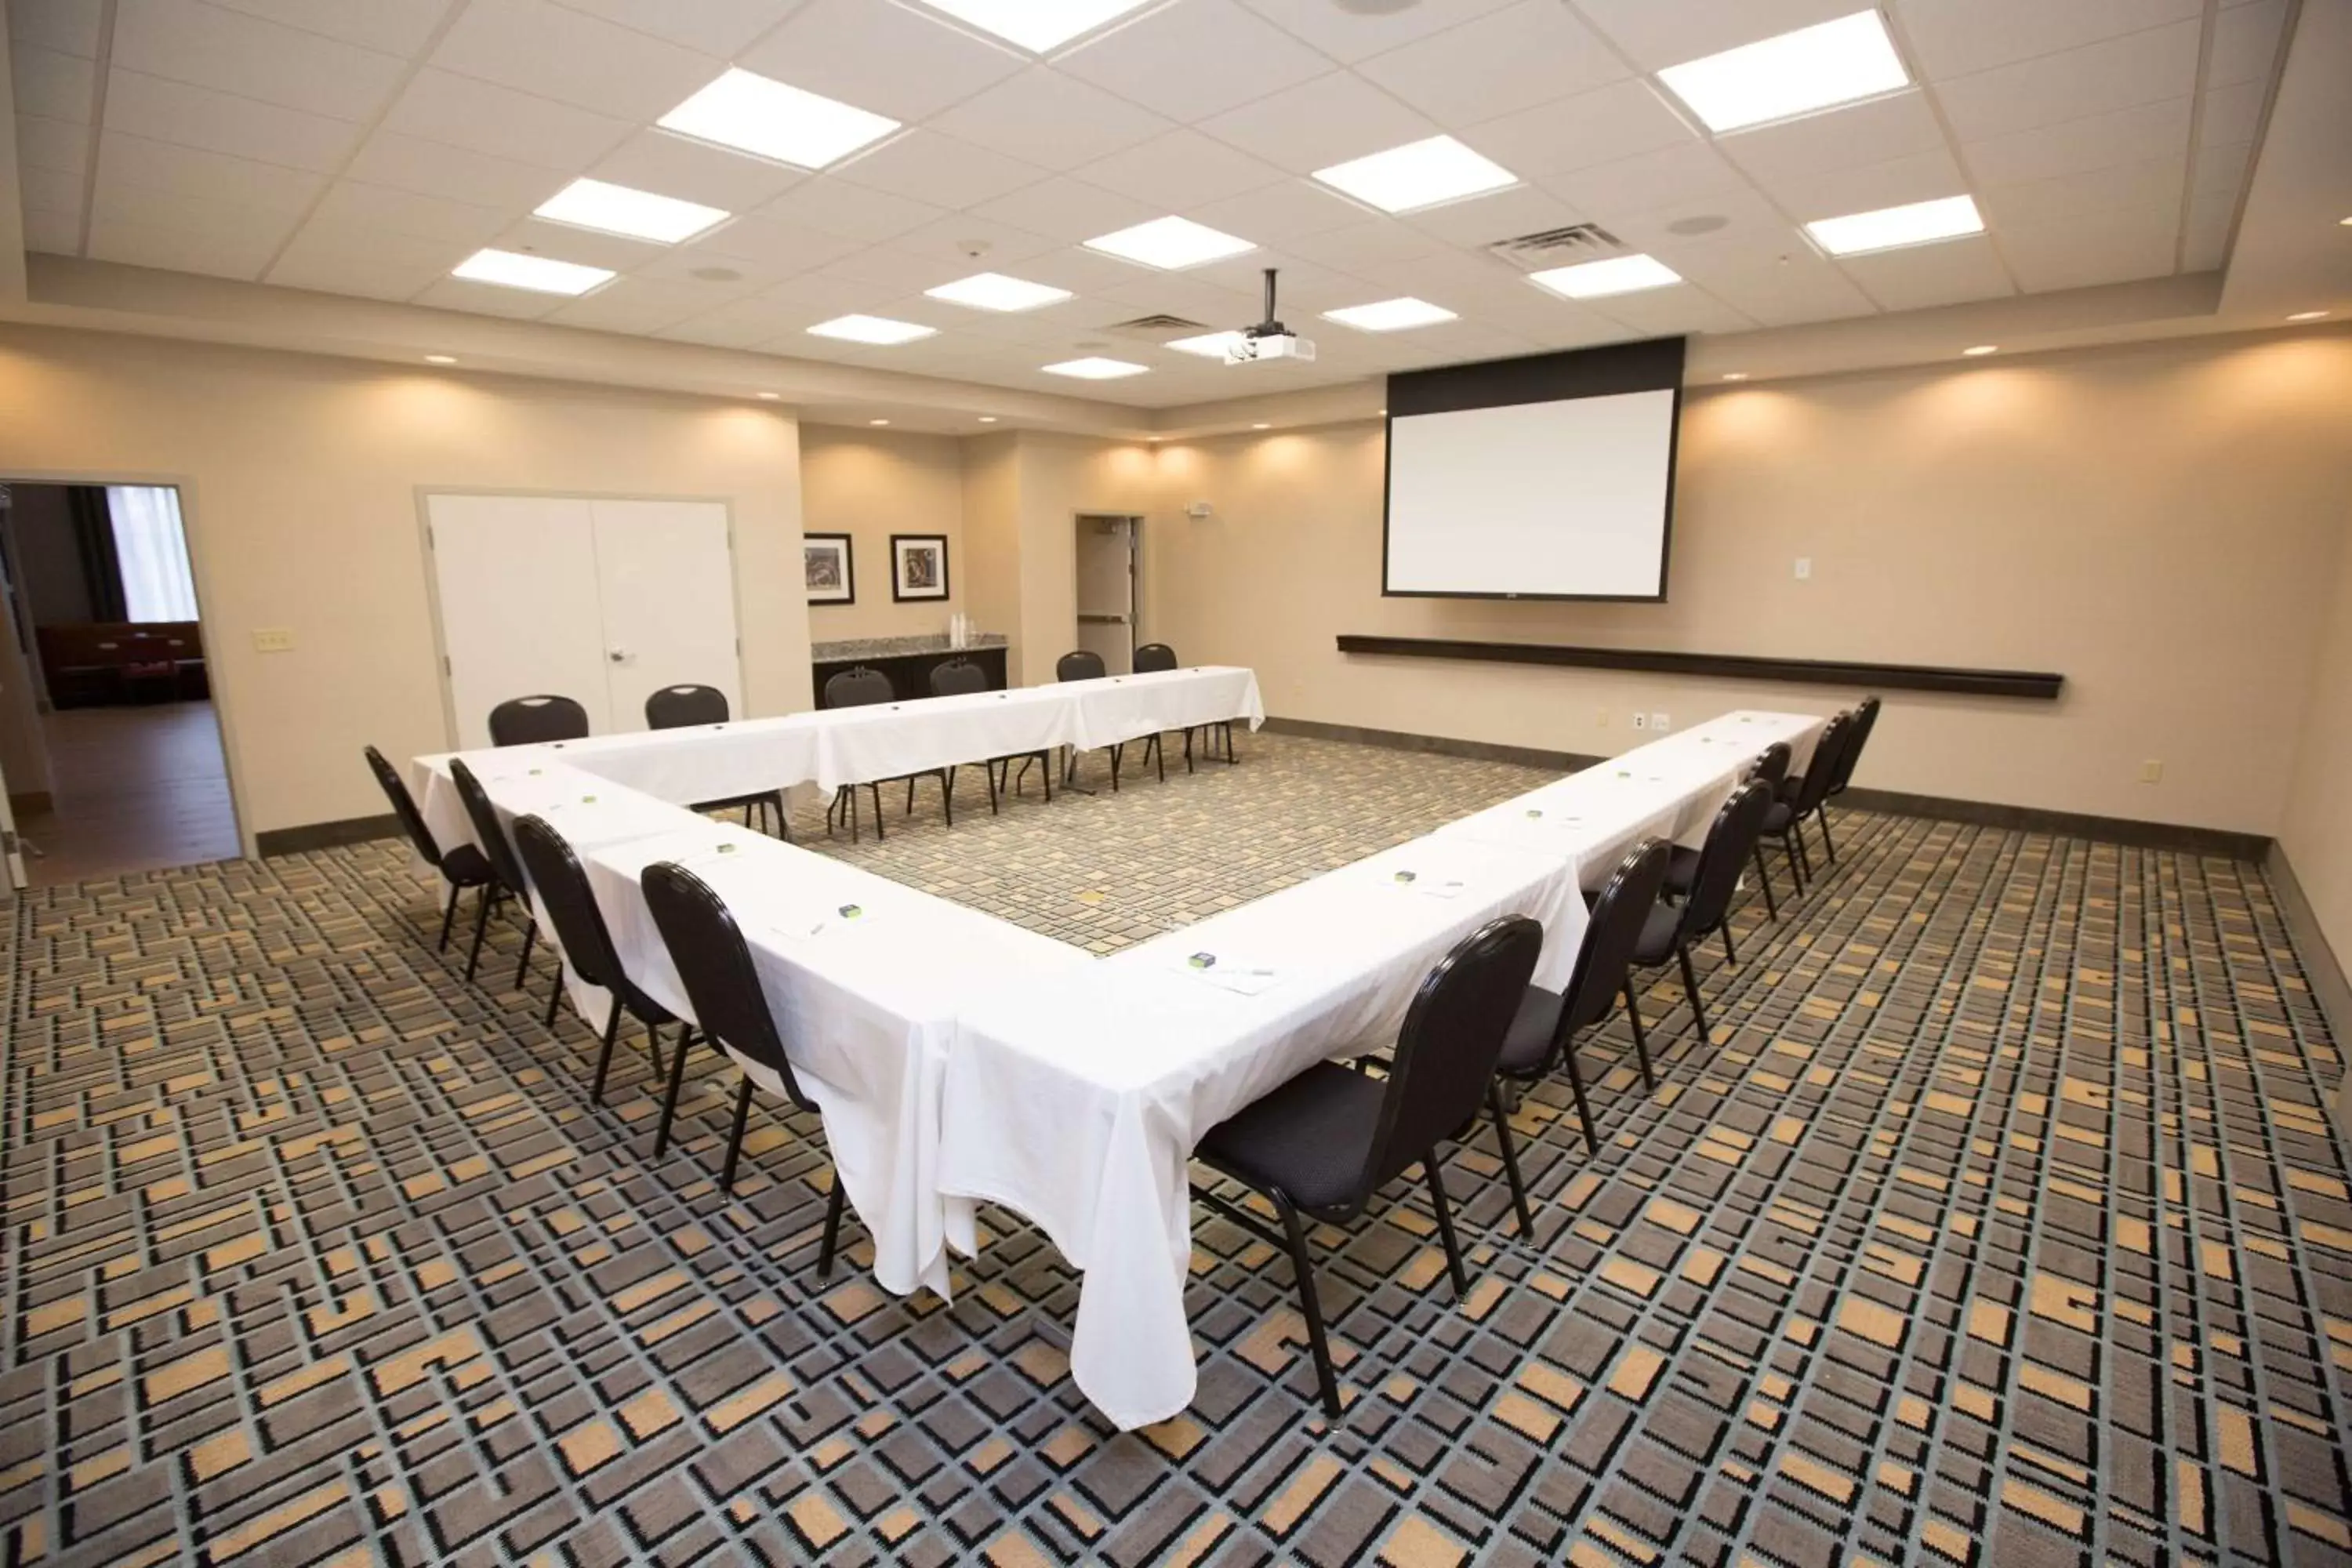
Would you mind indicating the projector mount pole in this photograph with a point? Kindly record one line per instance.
(1269, 328)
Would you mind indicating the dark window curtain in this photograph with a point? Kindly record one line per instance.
(93, 530)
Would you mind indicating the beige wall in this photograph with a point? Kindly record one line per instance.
(2316, 833)
(871, 484)
(299, 476)
(2151, 521)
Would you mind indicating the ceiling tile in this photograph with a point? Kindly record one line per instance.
(1332, 119)
(338, 258)
(778, 244)
(1181, 169)
(489, 299)
(562, 242)
(53, 232)
(1278, 213)
(2121, 73)
(1367, 241)
(1898, 182)
(1953, 38)
(1078, 269)
(2222, 170)
(1356, 34)
(1624, 119)
(2096, 142)
(52, 84)
(1778, 291)
(834, 206)
(49, 190)
(1046, 117)
(1498, 214)
(882, 57)
(1533, 53)
(925, 166)
(655, 161)
(186, 41)
(483, 117)
(828, 294)
(1068, 210)
(1748, 224)
(538, 47)
(1926, 275)
(52, 144)
(132, 169)
(740, 323)
(1892, 126)
(719, 28)
(902, 271)
(1196, 59)
(1694, 172)
(357, 205)
(2205, 244)
(395, 27)
(949, 243)
(2232, 114)
(2040, 202)
(163, 111)
(71, 25)
(2114, 245)
(2246, 44)
(437, 169)
(1661, 312)
(641, 305)
(1660, 35)
(238, 252)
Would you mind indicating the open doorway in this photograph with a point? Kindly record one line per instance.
(108, 736)
(1108, 549)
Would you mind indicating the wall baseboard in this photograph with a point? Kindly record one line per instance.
(324, 835)
(2322, 967)
(1399, 740)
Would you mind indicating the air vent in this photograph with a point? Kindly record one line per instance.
(1559, 247)
(1158, 326)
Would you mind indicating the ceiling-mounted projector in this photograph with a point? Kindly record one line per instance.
(1269, 339)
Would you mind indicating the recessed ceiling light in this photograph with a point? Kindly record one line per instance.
(1261, 426)
(617, 209)
(2308, 316)
(1796, 73)
(512, 269)
(751, 113)
(1208, 346)
(995, 291)
(1390, 315)
(769, 396)
(1891, 229)
(1168, 243)
(871, 330)
(1418, 175)
(1619, 274)
(1735, 376)
(877, 422)
(1981, 350)
(988, 419)
(1036, 25)
(2344, 223)
(1096, 369)
(440, 359)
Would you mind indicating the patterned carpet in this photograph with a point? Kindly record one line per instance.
(2000, 1223)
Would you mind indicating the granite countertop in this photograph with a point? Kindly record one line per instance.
(891, 648)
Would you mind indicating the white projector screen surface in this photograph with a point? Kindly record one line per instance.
(1564, 499)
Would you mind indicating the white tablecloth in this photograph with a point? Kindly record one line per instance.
(1077, 1101)
(865, 1004)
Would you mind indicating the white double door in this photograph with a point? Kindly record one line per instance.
(605, 601)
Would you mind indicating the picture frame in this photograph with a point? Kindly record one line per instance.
(919, 566)
(830, 560)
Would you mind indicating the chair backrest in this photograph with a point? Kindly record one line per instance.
(556, 876)
(958, 678)
(714, 965)
(1771, 767)
(1083, 665)
(403, 807)
(1865, 714)
(1453, 1036)
(484, 818)
(1154, 656)
(1623, 904)
(1730, 844)
(1829, 752)
(859, 687)
(676, 707)
(524, 720)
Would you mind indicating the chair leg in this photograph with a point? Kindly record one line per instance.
(1116, 752)
(522, 965)
(831, 1228)
(669, 1101)
(482, 903)
(605, 1056)
(1310, 1304)
(1690, 984)
(881, 834)
(1641, 1042)
(448, 913)
(1821, 816)
(1764, 879)
(947, 795)
(1583, 1108)
(1510, 1158)
(1729, 952)
(1445, 1227)
(735, 1139)
(554, 997)
(1804, 856)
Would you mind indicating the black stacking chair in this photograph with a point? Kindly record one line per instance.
(1320, 1145)
(864, 687)
(506, 873)
(1084, 664)
(1543, 1033)
(684, 707)
(1158, 655)
(1865, 717)
(962, 678)
(526, 721)
(462, 867)
(1669, 930)
(730, 1011)
(580, 931)
(1770, 769)
(1801, 797)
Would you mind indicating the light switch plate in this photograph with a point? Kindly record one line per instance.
(1804, 567)
(273, 639)
(1661, 721)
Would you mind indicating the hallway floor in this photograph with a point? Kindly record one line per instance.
(134, 789)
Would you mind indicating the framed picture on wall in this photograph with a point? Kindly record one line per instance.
(919, 566)
(832, 576)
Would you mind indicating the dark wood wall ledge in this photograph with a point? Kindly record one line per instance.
(2024, 683)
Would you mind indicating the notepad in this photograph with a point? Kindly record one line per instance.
(1428, 885)
(1227, 973)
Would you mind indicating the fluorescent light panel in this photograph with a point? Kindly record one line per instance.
(1891, 229)
(1796, 73)
(1036, 25)
(871, 330)
(1418, 175)
(1208, 346)
(752, 113)
(1170, 243)
(1598, 279)
(617, 209)
(1096, 369)
(1390, 315)
(539, 273)
(995, 291)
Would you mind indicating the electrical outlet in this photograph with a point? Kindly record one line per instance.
(1601, 720)
(1660, 721)
(273, 639)
(2151, 772)
(1805, 568)
(1641, 721)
